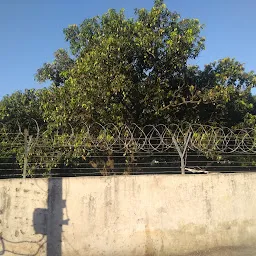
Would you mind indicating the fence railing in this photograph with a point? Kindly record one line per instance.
(128, 149)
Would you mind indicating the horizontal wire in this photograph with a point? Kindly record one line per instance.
(143, 167)
(44, 175)
(139, 156)
(136, 163)
(86, 170)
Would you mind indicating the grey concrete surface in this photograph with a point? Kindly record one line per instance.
(191, 215)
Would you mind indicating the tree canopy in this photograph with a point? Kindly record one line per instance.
(137, 70)
(21, 107)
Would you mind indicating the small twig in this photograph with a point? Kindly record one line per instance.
(181, 103)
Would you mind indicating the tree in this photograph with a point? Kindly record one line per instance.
(125, 71)
(228, 78)
(20, 107)
(136, 70)
(18, 111)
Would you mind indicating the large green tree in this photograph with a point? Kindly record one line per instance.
(18, 111)
(20, 108)
(136, 70)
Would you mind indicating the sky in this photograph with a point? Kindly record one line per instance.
(32, 30)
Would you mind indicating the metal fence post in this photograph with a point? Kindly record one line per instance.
(182, 151)
(25, 153)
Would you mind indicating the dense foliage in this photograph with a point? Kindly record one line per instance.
(136, 70)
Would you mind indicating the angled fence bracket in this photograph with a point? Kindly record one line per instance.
(182, 151)
(27, 146)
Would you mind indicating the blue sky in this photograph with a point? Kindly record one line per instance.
(31, 30)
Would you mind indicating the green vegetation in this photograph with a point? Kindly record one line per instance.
(136, 70)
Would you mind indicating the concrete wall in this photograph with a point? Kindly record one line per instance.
(129, 215)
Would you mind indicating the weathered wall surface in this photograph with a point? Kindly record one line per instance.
(129, 215)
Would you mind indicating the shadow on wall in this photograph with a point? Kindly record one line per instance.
(47, 222)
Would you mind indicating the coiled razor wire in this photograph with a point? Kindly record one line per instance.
(132, 138)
